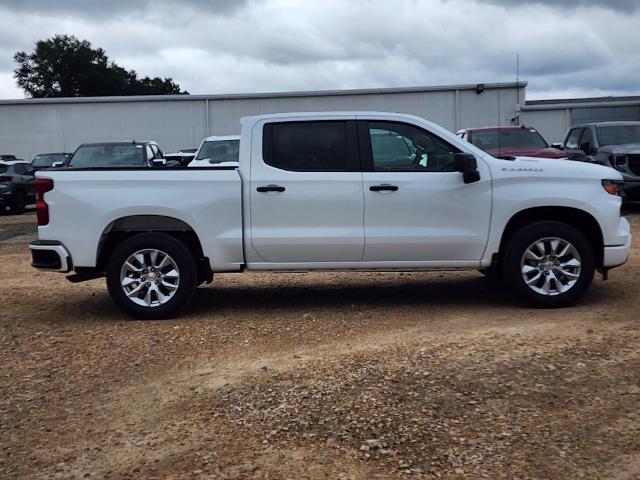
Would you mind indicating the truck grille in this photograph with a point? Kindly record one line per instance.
(634, 164)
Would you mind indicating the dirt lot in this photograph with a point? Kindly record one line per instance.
(339, 376)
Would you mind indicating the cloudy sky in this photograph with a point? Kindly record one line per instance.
(567, 48)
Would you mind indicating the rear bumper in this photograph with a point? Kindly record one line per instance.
(616, 255)
(50, 255)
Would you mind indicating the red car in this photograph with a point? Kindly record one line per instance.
(511, 142)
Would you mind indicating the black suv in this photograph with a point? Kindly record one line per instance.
(613, 144)
(17, 186)
(117, 154)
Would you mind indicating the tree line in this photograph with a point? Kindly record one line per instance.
(64, 66)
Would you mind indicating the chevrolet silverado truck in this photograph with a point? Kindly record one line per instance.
(333, 191)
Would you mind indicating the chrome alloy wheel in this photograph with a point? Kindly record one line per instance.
(551, 266)
(149, 277)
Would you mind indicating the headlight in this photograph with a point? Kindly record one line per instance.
(614, 187)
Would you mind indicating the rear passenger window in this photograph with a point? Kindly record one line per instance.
(306, 146)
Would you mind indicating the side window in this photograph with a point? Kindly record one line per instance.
(306, 146)
(156, 151)
(587, 137)
(402, 147)
(29, 170)
(19, 169)
(572, 139)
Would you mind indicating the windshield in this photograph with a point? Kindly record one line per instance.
(108, 156)
(618, 135)
(507, 139)
(48, 159)
(220, 151)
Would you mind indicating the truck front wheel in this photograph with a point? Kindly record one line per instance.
(151, 276)
(549, 264)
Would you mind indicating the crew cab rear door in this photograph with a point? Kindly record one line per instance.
(417, 208)
(306, 193)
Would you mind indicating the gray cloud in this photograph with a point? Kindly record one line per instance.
(275, 45)
(112, 8)
(622, 5)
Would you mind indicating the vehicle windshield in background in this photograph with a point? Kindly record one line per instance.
(505, 139)
(618, 135)
(48, 159)
(220, 151)
(108, 156)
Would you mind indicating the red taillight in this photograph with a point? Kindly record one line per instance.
(43, 185)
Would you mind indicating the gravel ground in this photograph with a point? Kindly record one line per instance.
(323, 375)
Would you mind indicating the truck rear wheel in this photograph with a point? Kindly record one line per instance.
(151, 276)
(549, 264)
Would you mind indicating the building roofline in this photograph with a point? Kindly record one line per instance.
(238, 96)
(581, 102)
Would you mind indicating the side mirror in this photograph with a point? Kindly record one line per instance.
(559, 146)
(587, 148)
(159, 162)
(57, 164)
(468, 165)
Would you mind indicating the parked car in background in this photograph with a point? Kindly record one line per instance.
(217, 150)
(182, 156)
(7, 157)
(12, 161)
(613, 144)
(502, 142)
(47, 160)
(118, 154)
(17, 185)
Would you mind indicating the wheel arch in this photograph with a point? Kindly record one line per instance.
(126, 227)
(579, 219)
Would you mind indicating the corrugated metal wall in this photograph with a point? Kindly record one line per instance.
(28, 127)
(552, 124)
(554, 120)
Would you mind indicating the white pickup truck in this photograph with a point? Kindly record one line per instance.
(333, 191)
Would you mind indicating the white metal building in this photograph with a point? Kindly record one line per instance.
(32, 126)
(553, 118)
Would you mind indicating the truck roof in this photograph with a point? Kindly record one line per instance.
(128, 142)
(221, 137)
(332, 114)
(607, 124)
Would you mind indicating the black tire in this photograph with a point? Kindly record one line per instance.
(512, 267)
(183, 260)
(17, 203)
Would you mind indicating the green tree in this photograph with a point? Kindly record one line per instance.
(64, 66)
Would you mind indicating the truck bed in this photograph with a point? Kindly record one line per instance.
(205, 200)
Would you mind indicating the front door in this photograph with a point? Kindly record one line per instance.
(417, 208)
(306, 194)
